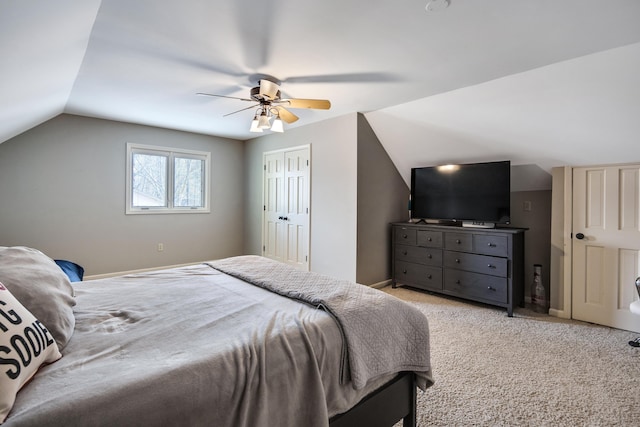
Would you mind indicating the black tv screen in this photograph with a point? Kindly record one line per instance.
(469, 192)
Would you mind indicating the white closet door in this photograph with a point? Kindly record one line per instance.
(286, 206)
(273, 245)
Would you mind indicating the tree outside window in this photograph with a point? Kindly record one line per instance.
(161, 180)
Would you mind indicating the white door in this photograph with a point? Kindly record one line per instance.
(286, 206)
(606, 244)
(273, 245)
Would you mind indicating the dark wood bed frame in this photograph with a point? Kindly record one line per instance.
(391, 403)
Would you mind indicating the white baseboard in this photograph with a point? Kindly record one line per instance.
(559, 313)
(552, 311)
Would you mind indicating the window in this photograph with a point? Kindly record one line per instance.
(166, 180)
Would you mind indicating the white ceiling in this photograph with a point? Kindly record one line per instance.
(539, 82)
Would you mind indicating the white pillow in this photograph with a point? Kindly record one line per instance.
(41, 287)
(25, 344)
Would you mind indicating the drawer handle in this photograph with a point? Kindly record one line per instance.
(404, 271)
(404, 252)
(429, 256)
(491, 245)
(491, 266)
(457, 261)
(457, 282)
(458, 241)
(429, 276)
(404, 236)
(491, 288)
(429, 239)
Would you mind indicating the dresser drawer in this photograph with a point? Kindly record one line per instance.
(490, 245)
(475, 286)
(477, 263)
(427, 256)
(458, 241)
(429, 239)
(405, 235)
(418, 275)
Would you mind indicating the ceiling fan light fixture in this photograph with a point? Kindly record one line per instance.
(263, 121)
(277, 126)
(270, 104)
(254, 125)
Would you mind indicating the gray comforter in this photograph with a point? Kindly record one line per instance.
(382, 334)
(191, 346)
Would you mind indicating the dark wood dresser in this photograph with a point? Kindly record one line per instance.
(484, 265)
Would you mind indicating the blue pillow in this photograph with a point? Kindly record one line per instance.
(73, 270)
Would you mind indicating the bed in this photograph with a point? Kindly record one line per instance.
(243, 341)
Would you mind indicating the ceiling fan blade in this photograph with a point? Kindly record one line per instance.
(253, 20)
(268, 89)
(286, 115)
(344, 78)
(166, 51)
(224, 96)
(234, 112)
(317, 104)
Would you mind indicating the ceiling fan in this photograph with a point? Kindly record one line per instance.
(267, 97)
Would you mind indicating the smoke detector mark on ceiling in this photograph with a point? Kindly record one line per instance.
(437, 5)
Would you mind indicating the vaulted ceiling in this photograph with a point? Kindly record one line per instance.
(538, 82)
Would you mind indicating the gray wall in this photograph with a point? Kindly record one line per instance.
(62, 190)
(537, 240)
(382, 198)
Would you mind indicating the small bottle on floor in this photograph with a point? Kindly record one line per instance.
(538, 293)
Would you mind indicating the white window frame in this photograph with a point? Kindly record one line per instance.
(171, 154)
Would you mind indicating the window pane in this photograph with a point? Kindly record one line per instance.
(149, 180)
(188, 176)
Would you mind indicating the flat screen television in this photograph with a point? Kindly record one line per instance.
(475, 194)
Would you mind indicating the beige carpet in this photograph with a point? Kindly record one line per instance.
(528, 370)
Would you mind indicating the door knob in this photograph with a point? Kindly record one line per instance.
(579, 236)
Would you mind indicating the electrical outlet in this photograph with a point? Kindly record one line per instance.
(160, 247)
(526, 206)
